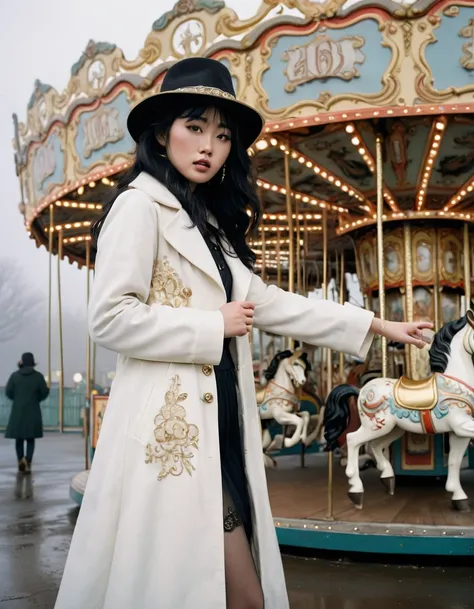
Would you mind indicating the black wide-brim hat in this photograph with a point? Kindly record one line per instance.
(196, 78)
(28, 360)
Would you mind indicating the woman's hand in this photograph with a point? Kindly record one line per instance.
(238, 318)
(410, 333)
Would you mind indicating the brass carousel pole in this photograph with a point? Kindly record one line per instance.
(61, 351)
(50, 287)
(291, 236)
(278, 257)
(289, 213)
(380, 253)
(298, 249)
(94, 358)
(88, 355)
(341, 301)
(328, 358)
(467, 268)
(262, 274)
(88, 340)
(411, 362)
(325, 295)
(436, 294)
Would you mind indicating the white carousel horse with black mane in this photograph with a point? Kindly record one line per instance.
(279, 400)
(443, 402)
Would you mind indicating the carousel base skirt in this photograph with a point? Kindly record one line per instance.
(418, 519)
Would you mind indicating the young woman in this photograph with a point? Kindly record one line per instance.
(176, 512)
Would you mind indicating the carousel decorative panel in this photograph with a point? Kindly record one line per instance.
(450, 257)
(394, 259)
(423, 304)
(394, 306)
(367, 254)
(450, 306)
(423, 256)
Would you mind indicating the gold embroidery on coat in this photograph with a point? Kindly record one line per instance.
(167, 286)
(174, 436)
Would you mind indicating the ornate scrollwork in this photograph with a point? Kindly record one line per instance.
(326, 100)
(148, 55)
(467, 60)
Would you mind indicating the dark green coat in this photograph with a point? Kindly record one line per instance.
(27, 388)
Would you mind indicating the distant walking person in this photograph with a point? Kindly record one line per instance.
(27, 388)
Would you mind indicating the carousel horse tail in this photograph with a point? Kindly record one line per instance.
(337, 413)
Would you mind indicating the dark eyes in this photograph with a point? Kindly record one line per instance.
(197, 129)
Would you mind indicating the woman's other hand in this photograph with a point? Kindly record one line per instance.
(410, 333)
(238, 318)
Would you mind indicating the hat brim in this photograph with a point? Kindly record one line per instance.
(145, 113)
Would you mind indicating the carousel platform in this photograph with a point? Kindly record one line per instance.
(417, 520)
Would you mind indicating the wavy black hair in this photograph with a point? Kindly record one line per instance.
(234, 202)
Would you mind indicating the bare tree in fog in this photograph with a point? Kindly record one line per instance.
(18, 304)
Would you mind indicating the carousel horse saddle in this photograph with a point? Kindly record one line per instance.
(261, 395)
(416, 395)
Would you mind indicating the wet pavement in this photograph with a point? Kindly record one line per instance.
(37, 519)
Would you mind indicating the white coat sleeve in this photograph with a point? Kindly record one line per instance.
(119, 318)
(316, 322)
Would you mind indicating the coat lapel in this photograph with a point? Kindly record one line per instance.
(188, 241)
(178, 229)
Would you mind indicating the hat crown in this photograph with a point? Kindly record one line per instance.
(28, 359)
(198, 72)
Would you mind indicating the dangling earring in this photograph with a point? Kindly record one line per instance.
(163, 156)
(223, 174)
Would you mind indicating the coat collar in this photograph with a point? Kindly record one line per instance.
(156, 190)
(178, 231)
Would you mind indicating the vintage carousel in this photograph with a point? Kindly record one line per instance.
(366, 175)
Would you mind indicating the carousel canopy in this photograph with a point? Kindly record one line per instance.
(330, 78)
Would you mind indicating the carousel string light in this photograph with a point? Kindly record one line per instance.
(363, 150)
(78, 205)
(465, 190)
(69, 226)
(79, 238)
(79, 186)
(301, 196)
(284, 217)
(431, 153)
(282, 229)
(318, 169)
(366, 113)
(348, 226)
(269, 242)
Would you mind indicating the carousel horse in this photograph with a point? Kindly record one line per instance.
(443, 402)
(278, 400)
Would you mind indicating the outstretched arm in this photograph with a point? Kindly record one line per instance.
(325, 323)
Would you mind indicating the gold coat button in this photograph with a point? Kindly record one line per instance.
(208, 397)
(207, 370)
(187, 292)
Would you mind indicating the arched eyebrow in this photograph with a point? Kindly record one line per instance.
(204, 119)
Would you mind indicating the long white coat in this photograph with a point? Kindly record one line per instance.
(150, 530)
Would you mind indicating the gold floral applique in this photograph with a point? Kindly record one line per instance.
(167, 286)
(174, 436)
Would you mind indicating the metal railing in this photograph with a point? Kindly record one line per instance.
(74, 403)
